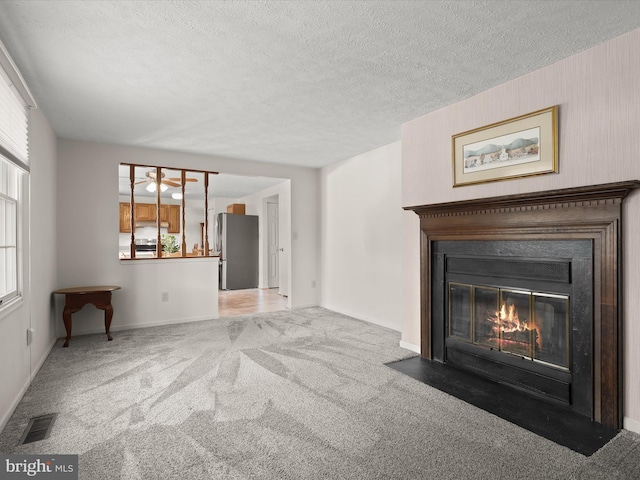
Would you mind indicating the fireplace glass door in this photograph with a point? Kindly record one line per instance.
(531, 325)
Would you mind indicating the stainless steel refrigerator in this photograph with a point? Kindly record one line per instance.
(237, 242)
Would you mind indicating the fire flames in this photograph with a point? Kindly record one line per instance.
(510, 330)
(509, 322)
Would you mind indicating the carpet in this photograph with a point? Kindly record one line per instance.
(300, 394)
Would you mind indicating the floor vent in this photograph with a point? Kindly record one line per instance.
(38, 428)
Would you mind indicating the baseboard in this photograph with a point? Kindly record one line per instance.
(18, 398)
(35, 371)
(310, 305)
(16, 401)
(632, 424)
(169, 321)
(363, 318)
(410, 346)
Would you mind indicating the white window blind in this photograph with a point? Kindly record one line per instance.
(14, 121)
(15, 101)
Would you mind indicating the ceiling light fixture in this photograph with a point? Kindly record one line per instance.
(152, 187)
(176, 196)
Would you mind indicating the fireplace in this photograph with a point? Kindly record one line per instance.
(525, 290)
(517, 312)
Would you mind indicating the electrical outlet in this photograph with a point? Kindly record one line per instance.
(164, 296)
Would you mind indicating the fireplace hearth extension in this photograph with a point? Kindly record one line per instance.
(525, 290)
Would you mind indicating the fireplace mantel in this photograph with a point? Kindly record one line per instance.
(587, 213)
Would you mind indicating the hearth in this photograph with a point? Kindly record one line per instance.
(525, 290)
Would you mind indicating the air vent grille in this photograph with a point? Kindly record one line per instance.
(38, 428)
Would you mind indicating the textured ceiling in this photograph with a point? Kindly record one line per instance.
(294, 82)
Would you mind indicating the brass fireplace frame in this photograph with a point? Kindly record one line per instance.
(530, 315)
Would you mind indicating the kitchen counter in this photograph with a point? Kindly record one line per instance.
(125, 255)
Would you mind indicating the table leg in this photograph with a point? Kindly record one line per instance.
(108, 315)
(66, 317)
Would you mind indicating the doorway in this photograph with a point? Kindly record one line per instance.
(250, 301)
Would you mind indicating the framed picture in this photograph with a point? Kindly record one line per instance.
(518, 147)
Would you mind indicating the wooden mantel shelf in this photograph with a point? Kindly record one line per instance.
(592, 193)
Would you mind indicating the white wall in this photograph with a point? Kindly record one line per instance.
(15, 367)
(192, 286)
(88, 235)
(219, 204)
(194, 215)
(598, 94)
(361, 225)
(19, 362)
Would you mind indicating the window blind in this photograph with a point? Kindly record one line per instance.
(14, 121)
(15, 101)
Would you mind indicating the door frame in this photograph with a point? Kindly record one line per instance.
(273, 227)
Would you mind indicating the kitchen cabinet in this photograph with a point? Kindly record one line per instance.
(147, 212)
(237, 208)
(173, 217)
(125, 218)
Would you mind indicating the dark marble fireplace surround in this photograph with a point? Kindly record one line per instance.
(588, 220)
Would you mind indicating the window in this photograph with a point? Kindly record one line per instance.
(15, 101)
(9, 198)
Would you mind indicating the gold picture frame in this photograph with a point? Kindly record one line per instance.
(514, 148)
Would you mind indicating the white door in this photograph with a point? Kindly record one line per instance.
(273, 245)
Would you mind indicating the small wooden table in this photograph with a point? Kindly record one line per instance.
(78, 297)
